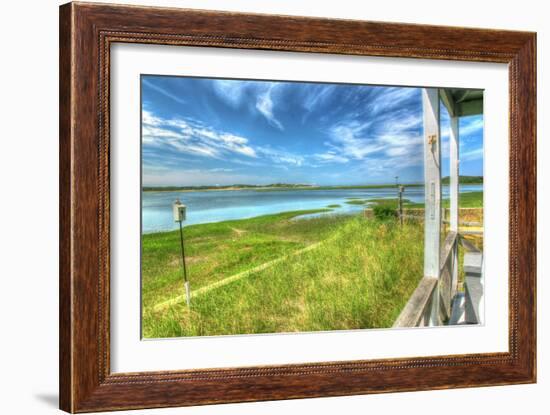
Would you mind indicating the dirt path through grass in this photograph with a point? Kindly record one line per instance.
(236, 277)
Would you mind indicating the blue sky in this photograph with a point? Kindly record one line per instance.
(201, 131)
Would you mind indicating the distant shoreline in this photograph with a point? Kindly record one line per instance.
(272, 188)
(300, 186)
(290, 187)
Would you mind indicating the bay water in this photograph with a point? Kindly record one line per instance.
(219, 205)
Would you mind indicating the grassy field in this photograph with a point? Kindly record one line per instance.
(471, 204)
(356, 273)
(378, 267)
(466, 200)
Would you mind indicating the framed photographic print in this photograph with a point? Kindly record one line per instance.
(261, 207)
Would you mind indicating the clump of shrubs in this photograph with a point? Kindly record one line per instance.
(384, 212)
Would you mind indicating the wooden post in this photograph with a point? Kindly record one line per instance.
(401, 189)
(432, 192)
(454, 195)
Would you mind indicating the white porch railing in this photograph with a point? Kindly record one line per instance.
(433, 300)
(422, 310)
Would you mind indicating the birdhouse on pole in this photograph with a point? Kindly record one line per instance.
(179, 210)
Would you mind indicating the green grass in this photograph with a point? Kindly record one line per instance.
(464, 180)
(333, 206)
(360, 276)
(394, 202)
(218, 250)
(382, 201)
(356, 201)
(466, 200)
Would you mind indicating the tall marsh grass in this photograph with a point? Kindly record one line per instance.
(360, 276)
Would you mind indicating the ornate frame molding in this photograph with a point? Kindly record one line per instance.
(86, 33)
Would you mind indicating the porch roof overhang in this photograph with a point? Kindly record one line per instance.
(462, 102)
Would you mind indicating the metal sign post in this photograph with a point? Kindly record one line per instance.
(179, 211)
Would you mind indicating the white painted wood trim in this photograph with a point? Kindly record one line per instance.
(432, 190)
(454, 173)
(454, 182)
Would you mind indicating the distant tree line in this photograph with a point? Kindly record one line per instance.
(465, 180)
(232, 186)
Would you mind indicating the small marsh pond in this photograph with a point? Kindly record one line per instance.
(220, 205)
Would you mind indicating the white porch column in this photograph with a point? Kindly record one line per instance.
(432, 191)
(454, 194)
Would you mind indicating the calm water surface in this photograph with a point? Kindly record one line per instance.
(220, 205)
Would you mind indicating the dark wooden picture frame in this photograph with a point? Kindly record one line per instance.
(86, 33)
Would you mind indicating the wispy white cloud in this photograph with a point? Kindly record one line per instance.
(388, 167)
(281, 156)
(230, 91)
(349, 140)
(381, 126)
(192, 137)
(400, 126)
(391, 98)
(401, 137)
(264, 104)
(315, 96)
(471, 126)
(471, 146)
(179, 176)
(163, 91)
(383, 140)
(468, 127)
(368, 132)
(473, 154)
(258, 96)
(330, 157)
(220, 169)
